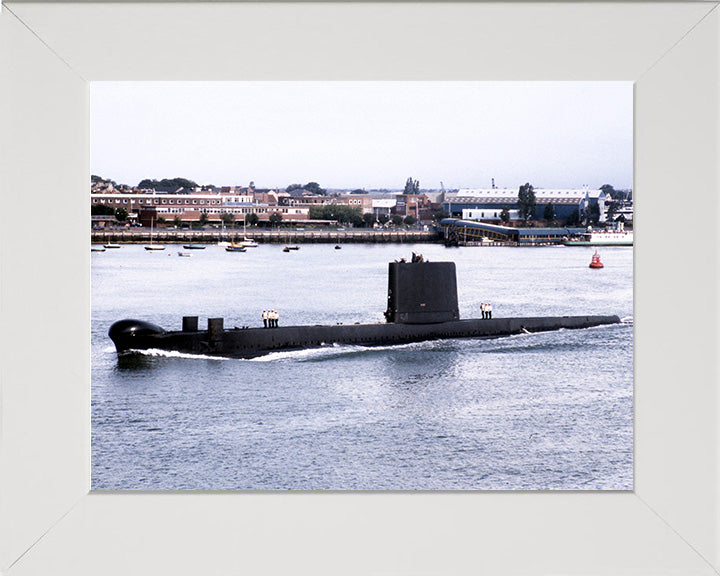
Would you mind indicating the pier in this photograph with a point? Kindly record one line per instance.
(279, 236)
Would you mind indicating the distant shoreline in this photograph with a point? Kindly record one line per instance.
(280, 236)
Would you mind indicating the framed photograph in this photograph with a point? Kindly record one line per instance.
(402, 355)
(50, 518)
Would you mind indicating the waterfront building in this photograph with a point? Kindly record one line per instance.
(594, 198)
(383, 206)
(269, 197)
(416, 205)
(488, 214)
(492, 200)
(362, 201)
(302, 198)
(144, 207)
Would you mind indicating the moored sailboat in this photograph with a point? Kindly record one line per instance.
(152, 246)
(247, 242)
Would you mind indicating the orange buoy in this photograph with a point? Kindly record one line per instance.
(595, 261)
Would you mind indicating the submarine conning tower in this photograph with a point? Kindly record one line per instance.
(422, 293)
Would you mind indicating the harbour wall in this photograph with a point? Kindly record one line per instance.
(281, 236)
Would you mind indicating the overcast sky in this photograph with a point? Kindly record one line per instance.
(365, 134)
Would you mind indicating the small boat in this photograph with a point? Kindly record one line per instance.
(222, 242)
(247, 242)
(194, 246)
(235, 248)
(185, 254)
(595, 261)
(288, 248)
(338, 247)
(617, 237)
(152, 246)
(97, 249)
(112, 245)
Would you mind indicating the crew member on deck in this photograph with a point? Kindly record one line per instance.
(482, 310)
(265, 318)
(489, 310)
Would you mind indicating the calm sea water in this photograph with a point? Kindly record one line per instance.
(536, 411)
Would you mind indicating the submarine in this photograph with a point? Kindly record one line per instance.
(422, 304)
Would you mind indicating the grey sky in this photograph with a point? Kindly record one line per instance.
(365, 134)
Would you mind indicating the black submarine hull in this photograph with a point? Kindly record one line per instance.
(137, 335)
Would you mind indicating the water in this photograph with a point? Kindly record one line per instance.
(535, 411)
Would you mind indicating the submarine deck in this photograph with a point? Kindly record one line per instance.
(251, 342)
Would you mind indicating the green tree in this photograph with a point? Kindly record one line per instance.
(594, 214)
(612, 208)
(440, 215)
(177, 221)
(412, 186)
(358, 191)
(160, 220)
(292, 187)
(314, 187)
(121, 214)
(383, 218)
(609, 191)
(94, 179)
(409, 220)
(397, 219)
(275, 218)
(227, 219)
(549, 212)
(526, 201)
(505, 215)
(369, 219)
(167, 183)
(252, 219)
(340, 212)
(573, 219)
(355, 217)
(203, 219)
(102, 210)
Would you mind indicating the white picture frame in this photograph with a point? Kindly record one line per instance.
(51, 523)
